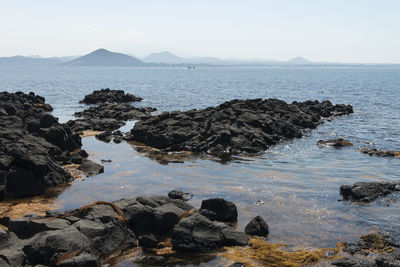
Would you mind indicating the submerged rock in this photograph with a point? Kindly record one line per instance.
(380, 153)
(234, 127)
(334, 142)
(33, 146)
(109, 96)
(368, 191)
(91, 168)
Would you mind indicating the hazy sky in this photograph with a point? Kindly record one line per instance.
(319, 30)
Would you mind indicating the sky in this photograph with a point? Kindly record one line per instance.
(351, 31)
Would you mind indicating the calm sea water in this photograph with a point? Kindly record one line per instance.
(297, 181)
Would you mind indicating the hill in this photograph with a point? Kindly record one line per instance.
(298, 60)
(103, 57)
(27, 61)
(164, 57)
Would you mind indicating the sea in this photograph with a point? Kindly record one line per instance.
(294, 185)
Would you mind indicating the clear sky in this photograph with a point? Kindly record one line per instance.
(319, 30)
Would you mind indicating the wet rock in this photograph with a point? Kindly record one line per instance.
(234, 127)
(85, 236)
(257, 226)
(178, 194)
(371, 243)
(391, 259)
(198, 233)
(352, 262)
(368, 191)
(108, 117)
(34, 145)
(225, 211)
(148, 241)
(82, 260)
(102, 124)
(334, 142)
(47, 244)
(90, 168)
(380, 153)
(237, 264)
(109, 96)
(29, 226)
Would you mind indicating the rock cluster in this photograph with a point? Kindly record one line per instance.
(110, 114)
(380, 153)
(372, 250)
(368, 191)
(87, 236)
(109, 96)
(234, 127)
(33, 146)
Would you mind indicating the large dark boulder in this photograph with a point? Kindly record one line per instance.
(197, 233)
(220, 210)
(257, 226)
(234, 127)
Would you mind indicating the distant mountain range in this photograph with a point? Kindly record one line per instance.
(105, 58)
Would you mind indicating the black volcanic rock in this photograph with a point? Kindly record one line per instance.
(103, 57)
(257, 226)
(234, 127)
(111, 112)
(33, 145)
(109, 96)
(368, 191)
(90, 234)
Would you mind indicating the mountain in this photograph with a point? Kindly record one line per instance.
(27, 61)
(103, 57)
(298, 61)
(164, 57)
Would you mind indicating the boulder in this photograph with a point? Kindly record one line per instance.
(225, 211)
(257, 227)
(178, 194)
(90, 168)
(198, 233)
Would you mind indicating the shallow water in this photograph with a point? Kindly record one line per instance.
(297, 181)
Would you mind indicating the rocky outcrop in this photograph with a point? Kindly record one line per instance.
(368, 191)
(380, 153)
(33, 146)
(334, 142)
(111, 112)
(109, 96)
(89, 235)
(371, 250)
(234, 127)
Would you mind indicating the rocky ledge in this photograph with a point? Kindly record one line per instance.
(33, 146)
(234, 127)
(109, 96)
(89, 235)
(108, 117)
(368, 191)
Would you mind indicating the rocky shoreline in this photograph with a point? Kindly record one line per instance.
(368, 191)
(89, 235)
(34, 146)
(234, 127)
